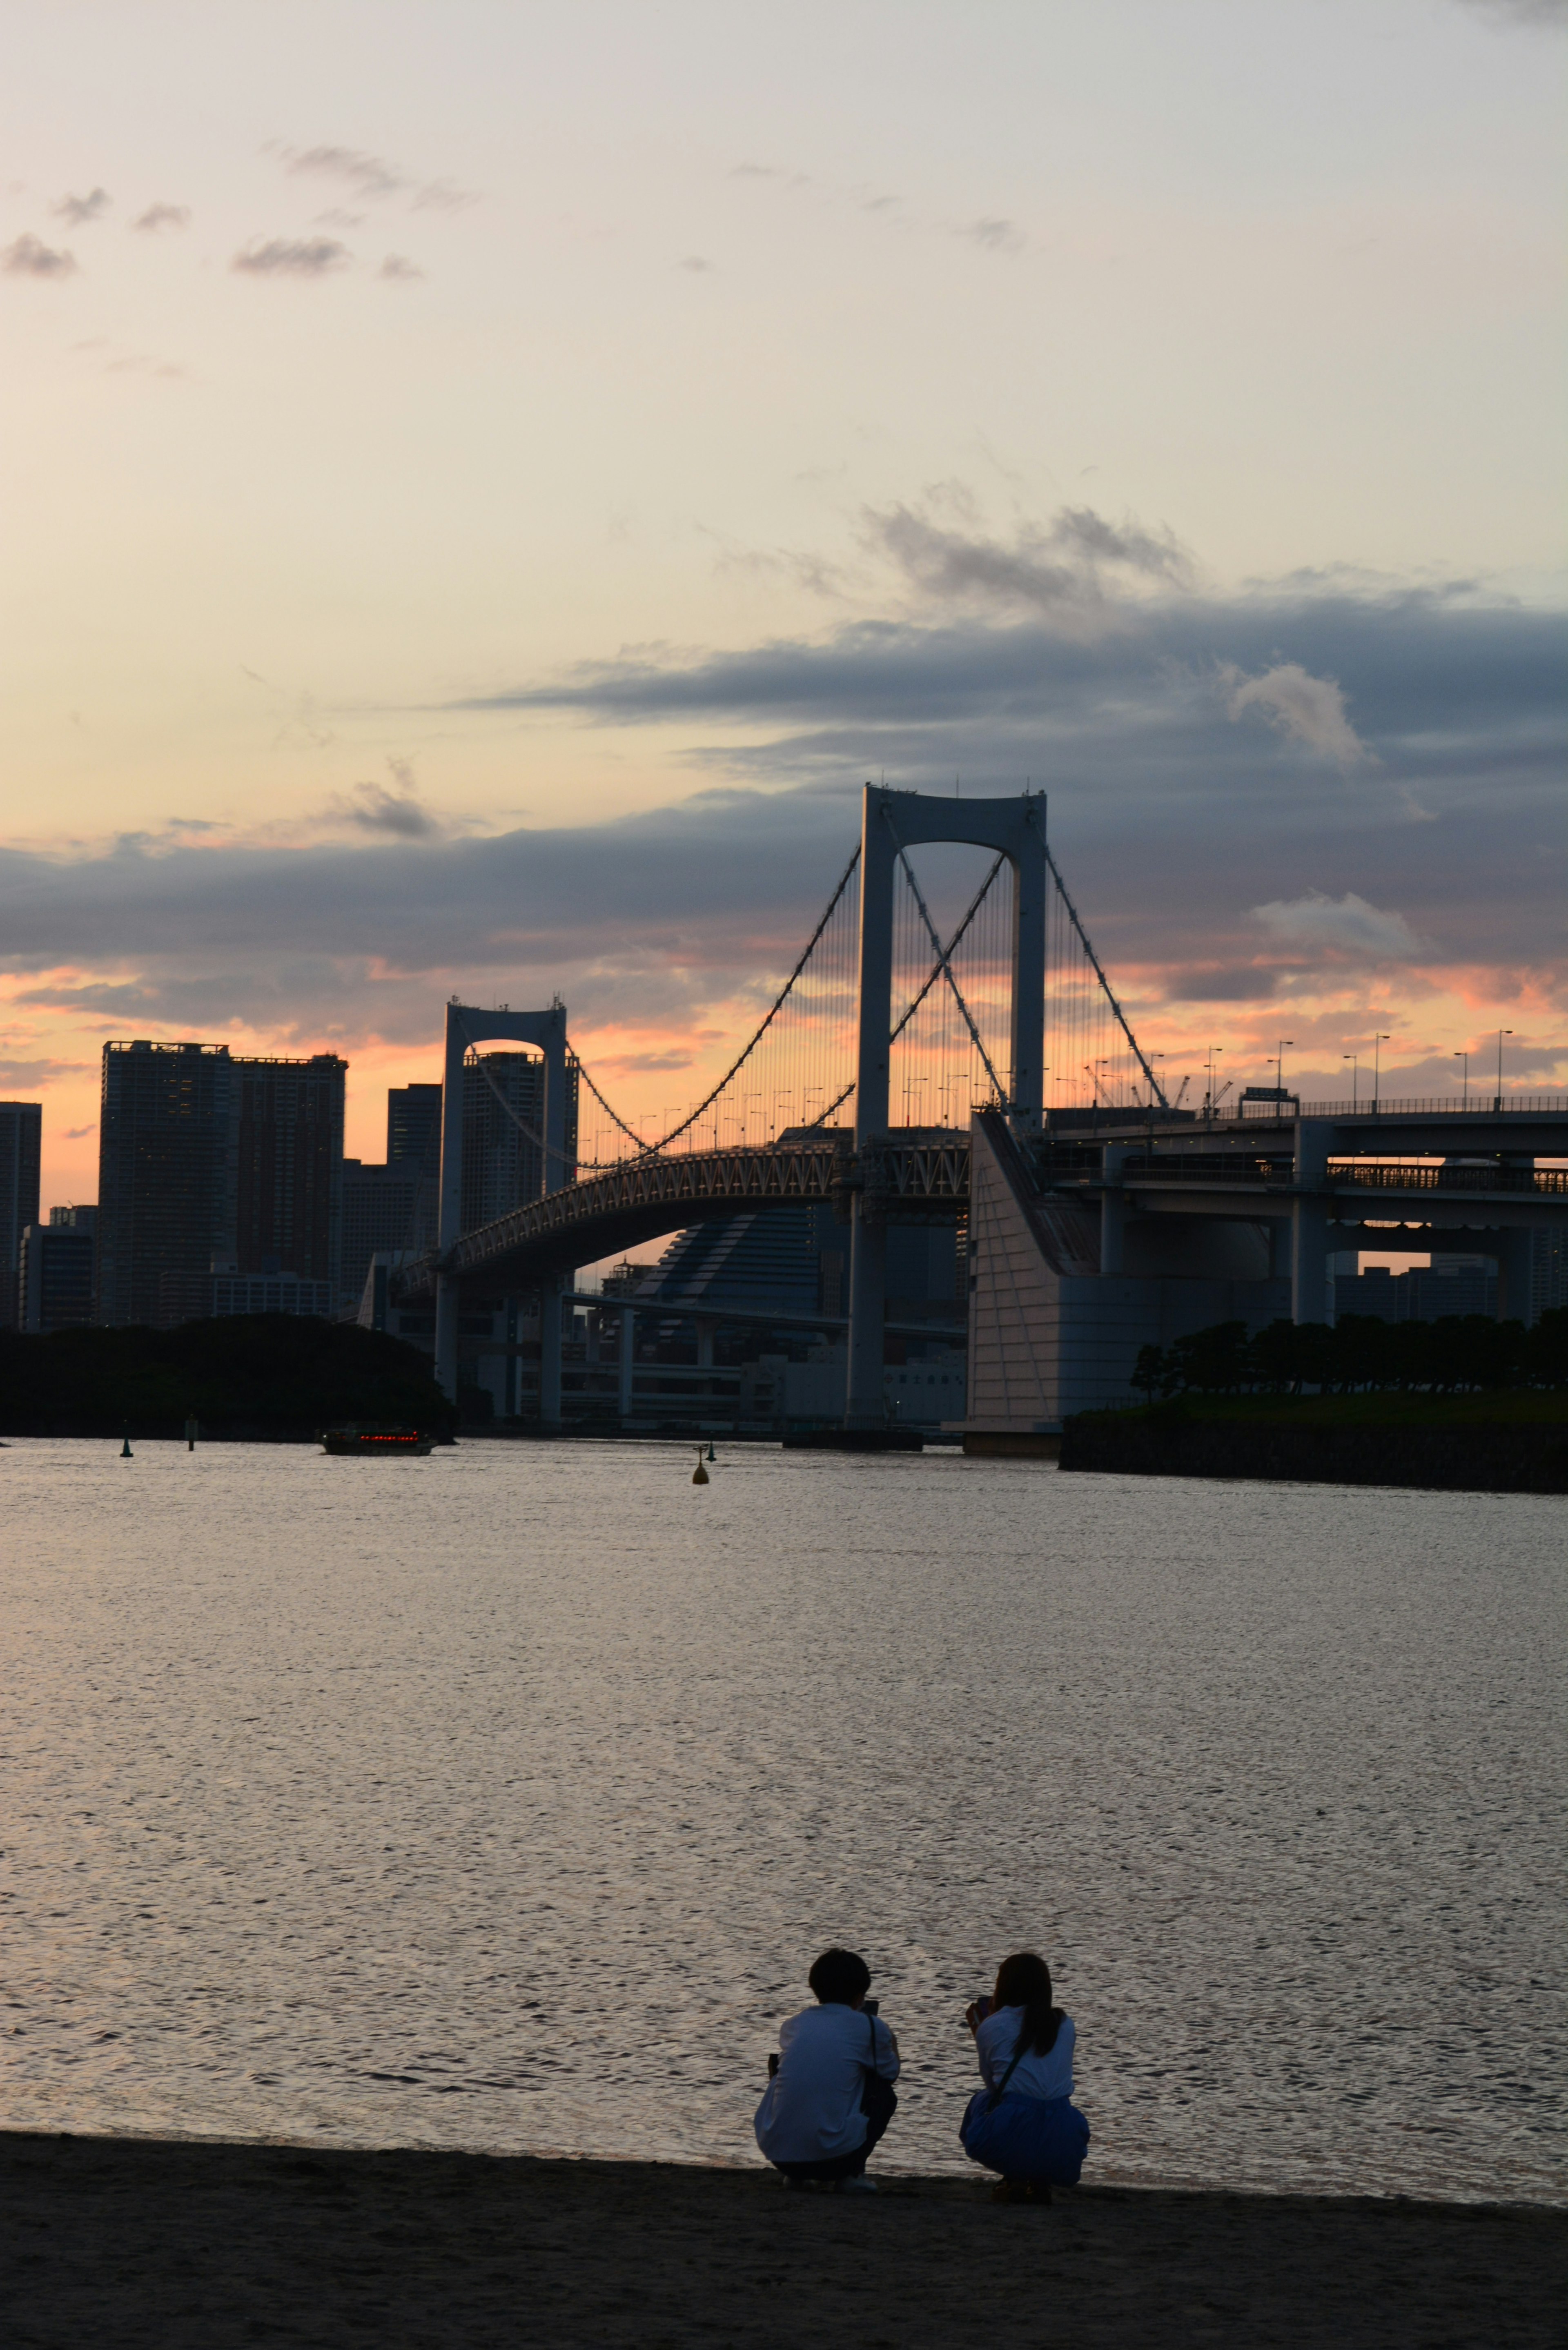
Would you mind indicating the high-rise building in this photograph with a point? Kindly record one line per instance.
(210, 1158)
(21, 1141)
(1548, 1271)
(289, 1125)
(55, 1270)
(413, 1128)
(385, 1208)
(503, 1135)
(1452, 1284)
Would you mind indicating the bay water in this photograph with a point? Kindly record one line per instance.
(501, 1799)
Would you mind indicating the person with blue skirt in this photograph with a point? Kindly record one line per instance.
(1023, 2123)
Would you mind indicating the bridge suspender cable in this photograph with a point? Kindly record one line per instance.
(943, 954)
(1104, 982)
(613, 1115)
(931, 978)
(941, 969)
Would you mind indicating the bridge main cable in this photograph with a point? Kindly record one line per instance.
(650, 1148)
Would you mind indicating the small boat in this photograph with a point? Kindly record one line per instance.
(374, 1443)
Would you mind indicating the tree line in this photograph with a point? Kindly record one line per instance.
(1458, 1353)
(263, 1376)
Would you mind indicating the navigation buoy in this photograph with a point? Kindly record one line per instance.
(700, 1475)
(711, 1454)
(125, 1452)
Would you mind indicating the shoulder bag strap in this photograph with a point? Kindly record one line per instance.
(1019, 2052)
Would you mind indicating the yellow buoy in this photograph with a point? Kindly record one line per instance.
(700, 1475)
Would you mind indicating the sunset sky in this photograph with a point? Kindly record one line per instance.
(485, 484)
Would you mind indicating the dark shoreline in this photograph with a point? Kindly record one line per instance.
(1479, 1458)
(154, 2244)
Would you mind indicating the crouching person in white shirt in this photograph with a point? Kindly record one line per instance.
(831, 2095)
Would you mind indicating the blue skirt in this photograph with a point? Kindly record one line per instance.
(1026, 2138)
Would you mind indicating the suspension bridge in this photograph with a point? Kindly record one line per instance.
(970, 1004)
(856, 1086)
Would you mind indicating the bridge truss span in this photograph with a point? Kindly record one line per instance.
(902, 1177)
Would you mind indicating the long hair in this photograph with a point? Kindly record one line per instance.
(1024, 1980)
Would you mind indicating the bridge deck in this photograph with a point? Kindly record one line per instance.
(923, 1173)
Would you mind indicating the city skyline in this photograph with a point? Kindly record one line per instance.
(483, 503)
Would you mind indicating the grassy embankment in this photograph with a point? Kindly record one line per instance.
(1387, 1408)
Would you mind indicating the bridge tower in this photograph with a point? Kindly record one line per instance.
(466, 1024)
(892, 821)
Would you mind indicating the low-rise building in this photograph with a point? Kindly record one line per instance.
(272, 1291)
(57, 1266)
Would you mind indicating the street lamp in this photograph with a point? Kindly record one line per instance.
(1378, 1041)
(1500, 1035)
(1279, 1076)
(1466, 1060)
(1209, 1105)
(1355, 1059)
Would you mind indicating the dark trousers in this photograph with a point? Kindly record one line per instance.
(845, 2166)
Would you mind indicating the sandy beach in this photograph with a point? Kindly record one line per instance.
(196, 2246)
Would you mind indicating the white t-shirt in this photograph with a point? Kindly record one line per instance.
(811, 2112)
(1050, 2075)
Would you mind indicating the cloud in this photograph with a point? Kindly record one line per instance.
(309, 257)
(79, 1133)
(1347, 928)
(648, 1064)
(369, 175)
(444, 196)
(1551, 15)
(1308, 710)
(158, 217)
(1200, 881)
(695, 263)
(77, 211)
(797, 567)
(25, 257)
(398, 270)
(994, 235)
(143, 363)
(1157, 799)
(39, 1073)
(1053, 569)
(374, 808)
(372, 178)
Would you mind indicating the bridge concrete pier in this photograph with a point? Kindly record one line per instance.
(1112, 1209)
(626, 1362)
(551, 1291)
(891, 822)
(1308, 1223)
(1514, 1253)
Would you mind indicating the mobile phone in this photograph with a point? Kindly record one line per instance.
(983, 2008)
(872, 2006)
